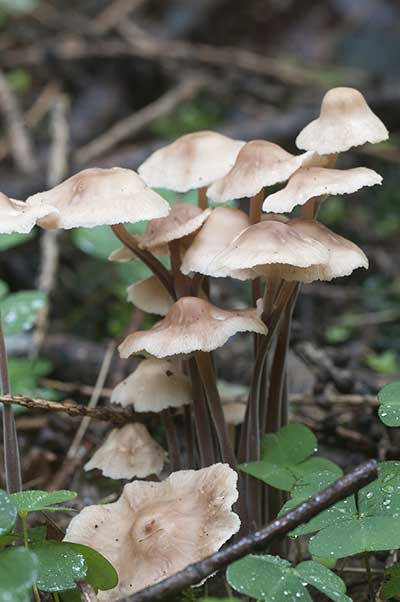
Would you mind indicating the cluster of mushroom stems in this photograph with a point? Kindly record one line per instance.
(160, 525)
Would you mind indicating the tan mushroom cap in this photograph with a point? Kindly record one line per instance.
(268, 243)
(193, 161)
(150, 296)
(95, 197)
(259, 163)
(17, 216)
(128, 452)
(156, 529)
(191, 325)
(219, 230)
(345, 121)
(154, 386)
(182, 221)
(234, 412)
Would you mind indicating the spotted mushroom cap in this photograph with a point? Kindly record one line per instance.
(17, 216)
(191, 325)
(192, 161)
(128, 452)
(156, 529)
(154, 386)
(96, 196)
(309, 182)
(345, 121)
(150, 296)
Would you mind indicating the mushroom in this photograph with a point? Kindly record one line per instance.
(154, 386)
(128, 452)
(309, 182)
(150, 296)
(17, 216)
(156, 529)
(191, 325)
(96, 197)
(192, 161)
(219, 230)
(345, 120)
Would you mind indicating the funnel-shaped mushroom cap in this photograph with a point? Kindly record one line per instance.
(193, 161)
(343, 255)
(269, 243)
(151, 296)
(234, 412)
(345, 120)
(154, 386)
(17, 216)
(128, 452)
(308, 182)
(182, 221)
(156, 529)
(219, 230)
(191, 325)
(95, 197)
(259, 163)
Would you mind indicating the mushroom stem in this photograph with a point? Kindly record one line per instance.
(172, 439)
(201, 418)
(202, 199)
(207, 374)
(255, 207)
(181, 282)
(10, 441)
(148, 259)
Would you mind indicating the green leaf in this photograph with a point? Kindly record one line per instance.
(24, 375)
(101, 574)
(285, 458)
(391, 586)
(384, 363)
(59, 566)
(3, 289)
(71, 595)
(20, 311)
(389, 400)
(18, 572)
(8, 513)
(7, 241)
(32, 501)
(219, 600)
(323, 579)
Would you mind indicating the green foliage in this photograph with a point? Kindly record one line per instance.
(8, 513)
(8, 241)
(18, 6)
(389, 400)
(101, 573)
(18, 572)
(20, 310)
(271, 578)
(3, 289)
(286, 458)
(32, 501)
(24, 374)
(384, 363)
(391, 586)
(200, 114)
(59, 566)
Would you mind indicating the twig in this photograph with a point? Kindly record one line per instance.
(195, 573)
(114, 13)
(133, 124)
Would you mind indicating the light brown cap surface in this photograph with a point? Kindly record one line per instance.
(191, 325)
(156, 529)
(17, 216)
(345, 121)
(128, 452)
(259, 163)
(154, 386)
(95, 197)
(193, 161)
(150, 296)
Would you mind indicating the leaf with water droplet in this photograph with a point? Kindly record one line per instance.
(18, 572)
(59, 566)
(20, 310)
(323, 579)
(101, 574)
(34, 500)
(8, 513)
(389, 400)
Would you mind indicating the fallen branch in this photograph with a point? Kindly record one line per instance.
(255, 542)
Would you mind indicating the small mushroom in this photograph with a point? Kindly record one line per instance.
(95, 197)
(150, 296)
(309, 182)
(193, 161)
(17, 216)
(154, 386)
(345, 121)
(191, 325)
(156, 529)
(128, 452)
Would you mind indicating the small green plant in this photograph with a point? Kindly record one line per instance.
(389, 404)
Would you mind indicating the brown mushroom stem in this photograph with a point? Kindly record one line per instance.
(255, 207)
(189, 437)
(148, 259)
(10, 441)
(181, 282)
(172, 439)
(202, 419)
(202, 199)
(207, 374)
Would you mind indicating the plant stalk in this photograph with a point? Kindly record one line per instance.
(369, 577)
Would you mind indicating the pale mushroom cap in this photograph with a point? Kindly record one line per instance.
(128, 452)
(345, 121)
(269, 243)
(96, 196)
(156, 529)
(17, 216)
(234, 412)
(219, 230)
(182, 221)
(309, 182)
(193, 161)
(191, 325)
(151, 296)
(259, 163)
(122, 255)
(154, 386)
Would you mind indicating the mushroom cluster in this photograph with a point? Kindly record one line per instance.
(159, 526)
